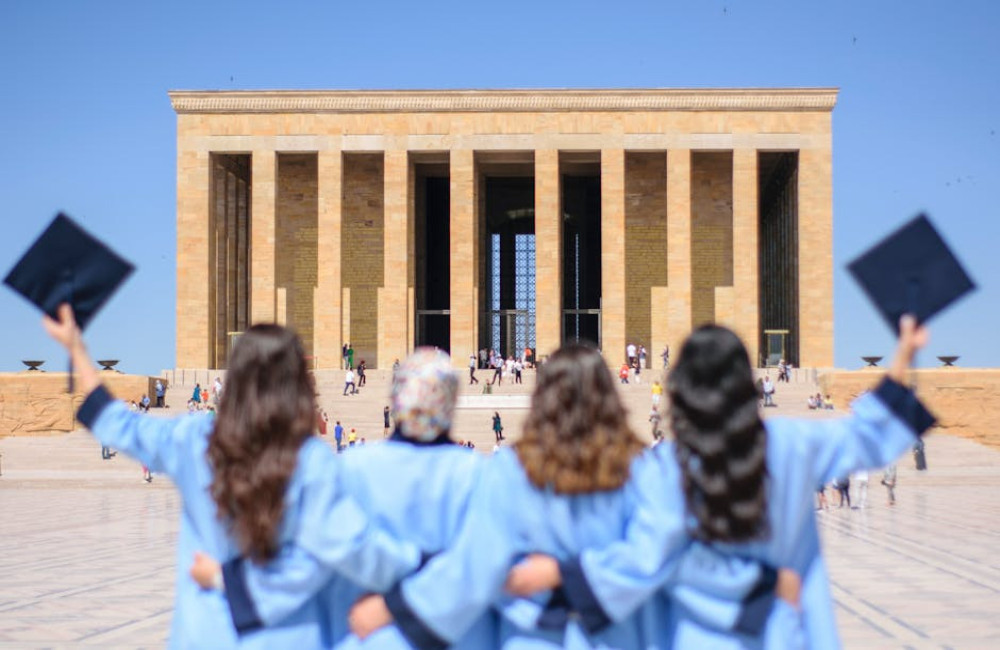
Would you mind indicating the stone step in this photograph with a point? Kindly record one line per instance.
(473, 421)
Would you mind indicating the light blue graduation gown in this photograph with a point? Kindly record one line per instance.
(412, 491)
(801, 454)
(507, 519)
(177, 447)
(415, 492)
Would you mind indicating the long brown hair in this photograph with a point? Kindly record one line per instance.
(721, 441)
(266, 413)
(576, 438)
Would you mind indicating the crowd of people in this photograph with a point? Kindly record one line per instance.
(575, 536)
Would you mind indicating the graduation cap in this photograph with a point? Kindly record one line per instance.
(68, 264)
(912, 271)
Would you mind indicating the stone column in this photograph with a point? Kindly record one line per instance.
(815, 258)
(613, 255)
(194, 220)
(262, 254)
(548, 253)
(746, 287)
(678, 248)
(393, 297)
(327, 307)
(462, 300)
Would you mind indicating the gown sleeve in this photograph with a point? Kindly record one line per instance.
(882, 425)
(606, 585)
(158, 443)
(332, 536)
(437, 605)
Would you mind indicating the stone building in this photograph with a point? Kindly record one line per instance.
(504, 219)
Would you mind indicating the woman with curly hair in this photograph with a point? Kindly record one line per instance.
(747, 487)
(559, 490)
(247, 478)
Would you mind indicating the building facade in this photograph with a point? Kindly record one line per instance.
(505, 220)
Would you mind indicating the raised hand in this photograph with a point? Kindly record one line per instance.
(912, 337)
(65, 330)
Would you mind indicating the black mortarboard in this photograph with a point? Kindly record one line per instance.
(67, 264)
(912, 271)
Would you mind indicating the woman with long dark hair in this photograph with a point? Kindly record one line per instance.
(747, 487)
(417, 484)
(559, 490)
(247, 479)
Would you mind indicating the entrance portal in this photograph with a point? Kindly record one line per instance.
(508, 323)
(581, 200)
(432, 235)
(779, 255)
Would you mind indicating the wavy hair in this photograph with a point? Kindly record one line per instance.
(720, 438)
(266, 413)
(576, 439)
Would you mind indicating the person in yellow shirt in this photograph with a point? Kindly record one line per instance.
(657, 392)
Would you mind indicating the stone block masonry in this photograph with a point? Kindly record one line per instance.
(362, 251)
(328, 204)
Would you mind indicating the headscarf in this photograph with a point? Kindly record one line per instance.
(424, 391)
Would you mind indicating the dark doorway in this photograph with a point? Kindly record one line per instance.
(581, 270)
(433, 256)
(508, 321)
(229, 250)
(778, 186)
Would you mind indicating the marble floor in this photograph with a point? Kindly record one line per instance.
(87, 551)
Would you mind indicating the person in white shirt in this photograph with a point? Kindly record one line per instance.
(767, 388)
(349, 382)
(472, 370)
(861, 479)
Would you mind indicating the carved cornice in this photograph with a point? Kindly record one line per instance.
(503, 101)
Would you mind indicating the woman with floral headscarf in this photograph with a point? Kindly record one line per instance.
(562, 488)
(416, 485)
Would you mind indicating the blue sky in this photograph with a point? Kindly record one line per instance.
(87, 127)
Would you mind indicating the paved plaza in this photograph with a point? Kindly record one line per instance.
(87, 551)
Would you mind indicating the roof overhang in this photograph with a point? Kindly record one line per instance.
(503, 101)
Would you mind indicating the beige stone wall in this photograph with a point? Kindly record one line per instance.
(463, 232)
(263, 299)
(816, 257)
(296, 250)
(711, 231)
(395, 297)
(614, 258)
(746, 253)
(36, 403)
(193, 269)
(966, 402)
(362, 249)
(678, 291)
(645, 241)
(699, 130)
(328, 335)
(548, 252)
(274, 125)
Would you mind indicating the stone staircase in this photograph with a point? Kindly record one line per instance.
(474, 417)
